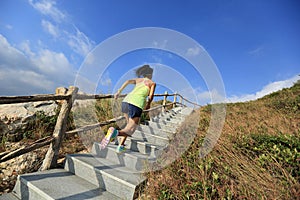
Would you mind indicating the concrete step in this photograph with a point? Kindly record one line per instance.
(170, 113)
(8, 196)
(167, 114)
(154, 130)
(168, 121)
(175, 110)
(156, 139)
(103, 174)
(180, 112)
(164, 126)
(112, 177)
(58, 184)
(170, 116)
(144, 147)
(186, 111)
(141, 145)
(130, 159)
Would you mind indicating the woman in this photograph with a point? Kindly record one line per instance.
(133, 105)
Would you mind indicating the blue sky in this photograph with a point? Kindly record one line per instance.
(254, 44)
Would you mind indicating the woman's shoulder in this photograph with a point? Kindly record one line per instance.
(139, 80)
(149, 82)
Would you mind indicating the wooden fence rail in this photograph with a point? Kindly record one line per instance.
(67, 98)
(4, 156)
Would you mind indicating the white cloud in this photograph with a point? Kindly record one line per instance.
(105, 80)
(48, 8)
(8, 26)
(193, 51)
(22, 82)
(11, 55)
(79, 42)
(242, 98)
(210, 97)
(25, 47)
(23, 72)
(52, 63)
(50, 28)
(63, 27)
(271, 87)
(191, 95)
(257, 51)
(157, 59)
(160, 45)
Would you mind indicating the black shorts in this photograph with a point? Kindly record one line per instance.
(131, 110)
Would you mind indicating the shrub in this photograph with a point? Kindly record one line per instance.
(278, 153)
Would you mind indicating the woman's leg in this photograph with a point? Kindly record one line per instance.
(121, 134)
(126, 117)
(129, 129)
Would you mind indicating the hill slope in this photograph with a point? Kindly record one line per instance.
(257, 155)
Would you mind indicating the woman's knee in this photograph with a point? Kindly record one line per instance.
(130, 127)
(128, 130)
(133, 128)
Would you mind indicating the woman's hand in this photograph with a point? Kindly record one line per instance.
(131, 81)
(117, 95)
(151, 95)
(147, 105)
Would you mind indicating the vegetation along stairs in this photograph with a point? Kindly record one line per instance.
(103, 174)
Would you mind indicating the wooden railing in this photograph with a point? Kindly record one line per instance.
(66, 98)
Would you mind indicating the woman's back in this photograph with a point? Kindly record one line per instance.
(140, 92)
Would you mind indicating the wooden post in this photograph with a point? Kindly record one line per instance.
(165, 101)
(50, 160)
(180, 100)
(175, 100)
(61, 91)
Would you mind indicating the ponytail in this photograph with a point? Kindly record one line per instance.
(143, 71)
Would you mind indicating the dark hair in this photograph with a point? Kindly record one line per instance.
(143, 71)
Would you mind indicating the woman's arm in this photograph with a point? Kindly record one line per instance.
(151, 95)
(131, 81)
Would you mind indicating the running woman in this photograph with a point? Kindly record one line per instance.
(133, 105)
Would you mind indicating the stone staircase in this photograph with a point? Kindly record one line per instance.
(103, 174)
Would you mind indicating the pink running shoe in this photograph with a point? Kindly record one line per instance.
(111, 134)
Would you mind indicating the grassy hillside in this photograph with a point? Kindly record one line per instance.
(256, 157)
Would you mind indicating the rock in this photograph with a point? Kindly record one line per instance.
(15, 117)
(26, 163)
(14, 112)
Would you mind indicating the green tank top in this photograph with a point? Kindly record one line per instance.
(138, 95)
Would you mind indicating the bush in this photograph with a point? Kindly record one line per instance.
(40, 126)
(278, 153)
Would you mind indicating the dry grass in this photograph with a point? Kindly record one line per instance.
(239, 167)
